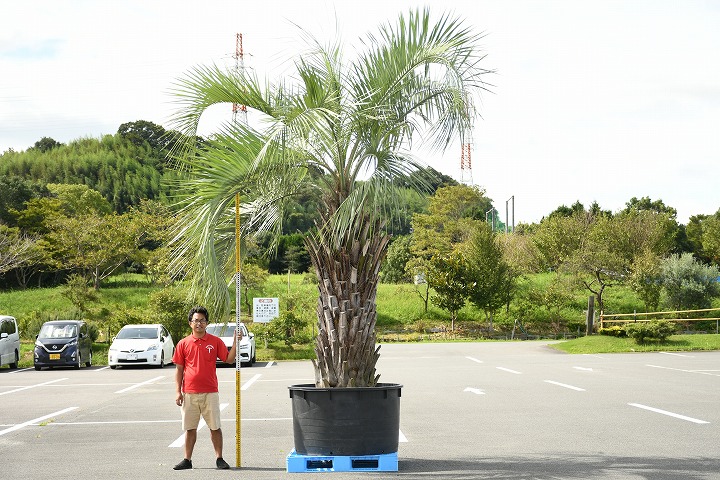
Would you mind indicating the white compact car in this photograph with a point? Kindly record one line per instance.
(9, 341)
(141, 344)
(226, 331)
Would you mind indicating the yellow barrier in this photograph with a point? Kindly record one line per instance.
(633, 317)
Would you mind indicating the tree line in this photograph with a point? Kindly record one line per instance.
(95, 207)
(455, 257)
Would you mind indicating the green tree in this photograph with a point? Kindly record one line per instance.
(491, 282)
(252, 277)
(16, 249)
(14, 193)
(675, 233)
(599, 249)
(95, 245)
(557, 237)
(688, 283)
(452, 214)
(46, 143)
(150, 225)
(646, 279)
(711, 237)
(80, 294)
(352, 122)
(394, 267)
(448, 276)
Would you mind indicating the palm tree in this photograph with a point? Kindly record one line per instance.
(352, 126)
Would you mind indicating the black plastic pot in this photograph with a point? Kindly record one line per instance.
(346, 421)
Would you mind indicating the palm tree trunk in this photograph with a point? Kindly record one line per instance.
(347, 283)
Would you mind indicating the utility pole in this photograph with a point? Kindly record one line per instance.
(511, 199)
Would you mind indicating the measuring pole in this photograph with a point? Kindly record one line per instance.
(238, 428)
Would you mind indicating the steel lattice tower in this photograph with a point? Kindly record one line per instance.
(239, 111)
(465, 165)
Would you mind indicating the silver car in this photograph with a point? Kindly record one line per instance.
(9, 342)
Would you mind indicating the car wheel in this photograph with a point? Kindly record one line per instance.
(89, 362)
(37, 368)
(113, 367)
(17, 359)
(162, 360)
(79, 362)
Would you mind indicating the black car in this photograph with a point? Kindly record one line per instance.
(63, 343)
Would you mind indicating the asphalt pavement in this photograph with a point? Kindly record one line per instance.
(488, 410)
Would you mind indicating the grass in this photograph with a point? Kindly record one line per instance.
(608, 344)
(401, 317)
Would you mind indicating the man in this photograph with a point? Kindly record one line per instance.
(197, 384)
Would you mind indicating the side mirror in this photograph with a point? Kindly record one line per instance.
(251, 335)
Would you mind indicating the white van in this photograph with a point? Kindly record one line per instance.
(9, 342)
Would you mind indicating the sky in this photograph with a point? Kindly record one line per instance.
(592, 100)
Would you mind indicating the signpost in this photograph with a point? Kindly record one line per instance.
(265, 309)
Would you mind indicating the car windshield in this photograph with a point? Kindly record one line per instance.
(220, 330)
(137, 333)
(62, 330)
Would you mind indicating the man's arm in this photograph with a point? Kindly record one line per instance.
(179, 371)
(231, 354)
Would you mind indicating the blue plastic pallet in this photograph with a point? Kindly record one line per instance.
(387, 462)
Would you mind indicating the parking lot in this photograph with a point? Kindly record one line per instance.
(505, 410)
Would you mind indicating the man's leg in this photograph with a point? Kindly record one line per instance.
(190, 439)
(217, 441)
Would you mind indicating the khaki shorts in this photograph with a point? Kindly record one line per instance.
(196, 405)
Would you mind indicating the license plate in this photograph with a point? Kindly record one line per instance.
(54, 356)
(132, 356)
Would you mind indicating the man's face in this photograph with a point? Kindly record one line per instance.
(198, 324)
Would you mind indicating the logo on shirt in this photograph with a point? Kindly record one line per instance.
(209, 348)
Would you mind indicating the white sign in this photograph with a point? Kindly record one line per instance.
(265, 309)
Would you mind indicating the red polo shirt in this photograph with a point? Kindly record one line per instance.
(198, 356)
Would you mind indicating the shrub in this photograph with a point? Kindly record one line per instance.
(656, 330)
(287, 328)
(614, 331)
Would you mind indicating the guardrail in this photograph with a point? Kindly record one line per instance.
(648, 316)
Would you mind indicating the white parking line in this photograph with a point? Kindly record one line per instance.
(18, 370)
(476, 391)
(33, 386)
(35, 420)
(701, 372)
(474, 359)
(138, 385)
(665, 412)
(401, 437)
(509, 370)
(247, 384)
(181, 439)
(270, 364)
(677, 354)
(566, 386)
